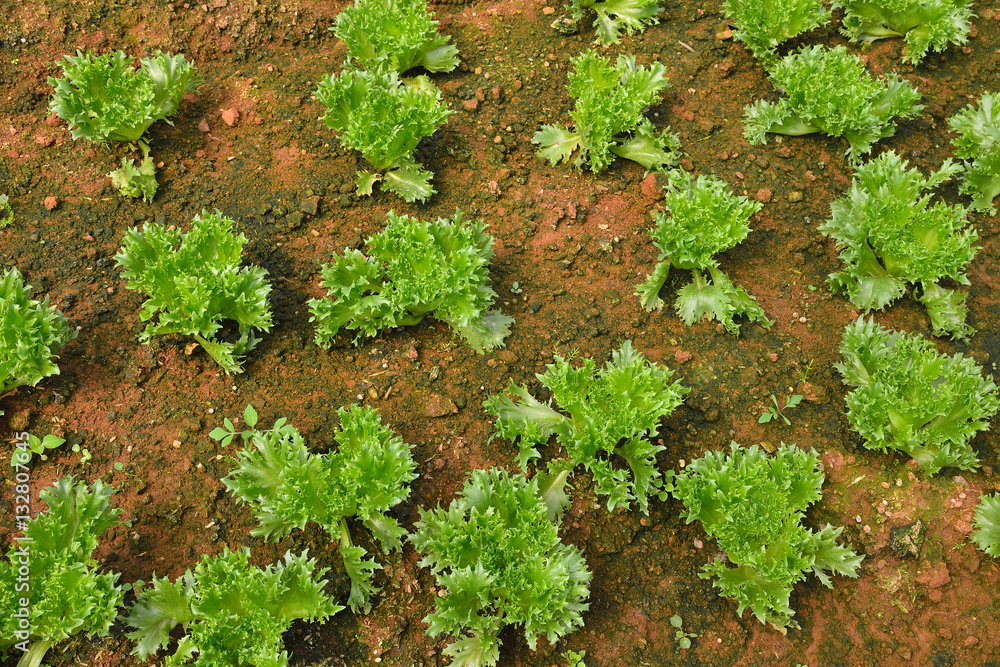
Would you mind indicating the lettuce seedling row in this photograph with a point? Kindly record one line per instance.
(374, 351)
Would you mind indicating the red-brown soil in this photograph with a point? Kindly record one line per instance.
(576, 245)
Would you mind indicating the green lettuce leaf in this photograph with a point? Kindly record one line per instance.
(978, 143)
(763, 25)
(753, 505)
(499, 561)
(194, 283)
(889, 236)
(613, 415)
(907, 397)
(925, 25)
(414, 269)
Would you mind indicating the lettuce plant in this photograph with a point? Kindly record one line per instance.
(499, 561)
(287, 487)
(907, 397)
(232, 612)
(395, 35)
(194, 283)
(705, 219)
(31, 334)
(923, 24)
(763, 25)
(103, 98)
(753, 505)
(614, 414)
(53, 569)
(889, 236)
(613, 16)
(136, 182)
(978, 142)
(608, 120)
(829, 91)
(414, 269)
(384, 120)
(987, 533)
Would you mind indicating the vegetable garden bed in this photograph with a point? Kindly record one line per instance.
(569, 250)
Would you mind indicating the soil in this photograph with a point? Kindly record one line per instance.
(575, 244)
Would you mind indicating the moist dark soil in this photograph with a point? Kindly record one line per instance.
(576, 246)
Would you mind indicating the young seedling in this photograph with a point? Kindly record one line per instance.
(25, 449)
(705, 220)
(607, 118)
(574, 659)
(6, 212)
(31, 335)
(924, 25)
(411, 270)
(498, 560)
(829, 90)
(103, 98)
(682, 638)
(753, 505)
(906, 396)
(777, 412)
(287, 486)
(889, 237)
(67, 594)
(232, 613)
(763, 25)
(978, 143)
(195, 283)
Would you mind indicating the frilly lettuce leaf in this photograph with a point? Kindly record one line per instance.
(889, 236)
(925, 25)
(288, 487)
(705, 219)
(905, 396)
(829, 90)
(103, 98)
(612, 412)
(615, 16)
(395, 35)
(763, 25)
(978, 143)
(67, 594)
(383, 119)
(499, 561)
(414, 269)
(31, 335)
(232, 612)
(753, 505)
(608, 118)
(194, 283)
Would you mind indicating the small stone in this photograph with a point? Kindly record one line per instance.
(53, 120)
(51, 203)
(230, 116)
(471, 105)
(724, 35)
(813, 393)
(933, 577)
(794, 196)
(649, 188)
(203, 126)
(310, 205)
(44, 141)
(439, 406)
(764, 195)
(906, 541)
(294, 219)
(682, 356)
(548, 11)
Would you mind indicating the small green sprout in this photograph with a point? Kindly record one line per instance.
(6, 212)
(683, 638)
(575, 659)
(776, 412)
